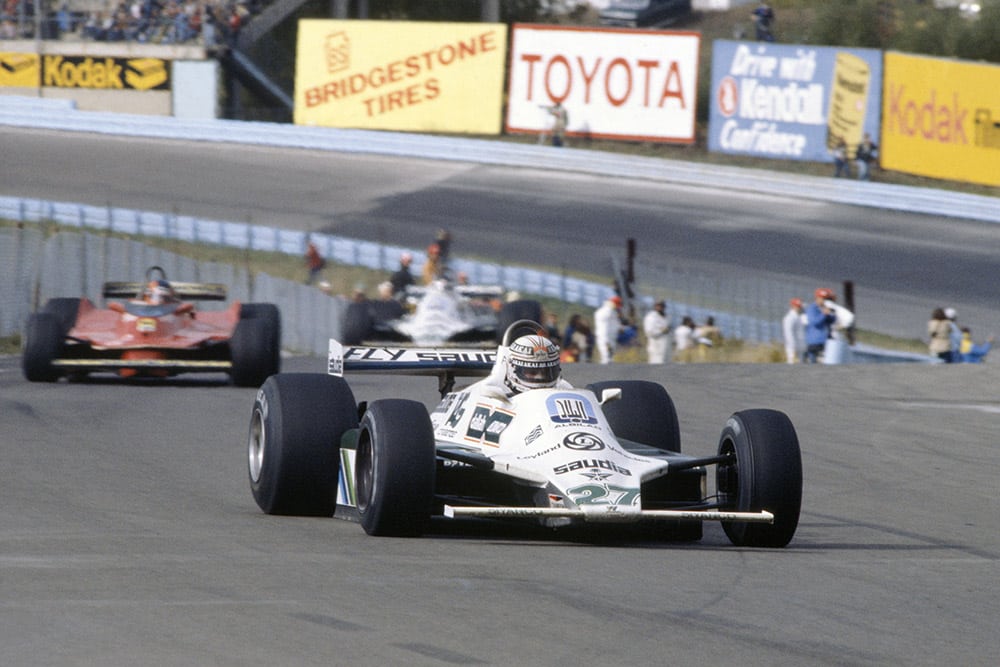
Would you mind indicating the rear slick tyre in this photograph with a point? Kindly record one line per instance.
(645, 413)
(764, 473)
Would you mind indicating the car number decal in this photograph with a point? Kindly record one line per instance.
(603, 494)
(487, 424)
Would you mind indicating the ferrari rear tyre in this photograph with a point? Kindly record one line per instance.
(394, 468)
(66, 309)
(645, 413)
(43, 341)
(765, 473)
(293, 447)
(517, 310)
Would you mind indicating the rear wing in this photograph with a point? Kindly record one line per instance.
(417, 292)
(444, 363)
(183, 291)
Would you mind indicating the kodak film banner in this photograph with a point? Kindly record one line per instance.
(941, 118)
(19, 70)
(792, 102)
(400, 75)
(620, 84)
(102, 73)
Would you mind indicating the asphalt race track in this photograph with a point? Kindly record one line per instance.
(129, 536)
(903, 265)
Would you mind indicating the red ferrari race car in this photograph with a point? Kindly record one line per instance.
(154, 330)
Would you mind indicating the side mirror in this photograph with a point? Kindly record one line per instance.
(610, 394)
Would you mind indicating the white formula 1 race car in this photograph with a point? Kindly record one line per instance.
(437, 314)
(605, 454)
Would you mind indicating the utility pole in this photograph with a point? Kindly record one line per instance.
(341, 9)
(490, 10)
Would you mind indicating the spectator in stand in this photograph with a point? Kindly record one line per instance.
(763, 17)
(684, 339)
(433, 268)
(956, 333)
(552, 328)
(607, 326)
(971, 353)
(560, 119)
(314, 263)
(656, 327)
(569, 353)
(793, 328)
(819, 323)
(835, 350)
(939, 332)
(387, 307)
(841, 166)
(578, 332)
(866, 154)
(708, 334)
(402, 278)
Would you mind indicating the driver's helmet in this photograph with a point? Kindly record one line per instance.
(532, 363)
(159, 292)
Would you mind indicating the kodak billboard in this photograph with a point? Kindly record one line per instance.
(638, 85)
(19, 70)
(93, 73)
(400, 75)
(941, 118)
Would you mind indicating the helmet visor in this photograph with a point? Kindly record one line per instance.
(540, 375)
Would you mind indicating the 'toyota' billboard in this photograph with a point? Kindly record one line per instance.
(619, 84)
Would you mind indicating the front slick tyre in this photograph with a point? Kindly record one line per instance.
(296, 425)
(765, 473)
(394, 468)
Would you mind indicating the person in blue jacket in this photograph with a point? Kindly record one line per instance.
(969, 351)
(819, 321)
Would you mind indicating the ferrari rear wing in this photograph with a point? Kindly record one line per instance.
(445, 363)
(183, 291)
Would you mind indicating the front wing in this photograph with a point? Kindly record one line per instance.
(606, 514)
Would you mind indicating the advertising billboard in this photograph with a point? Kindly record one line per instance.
(614, 83)
(400, 75)
(941, 118)
(792, 102)
(19, 70)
